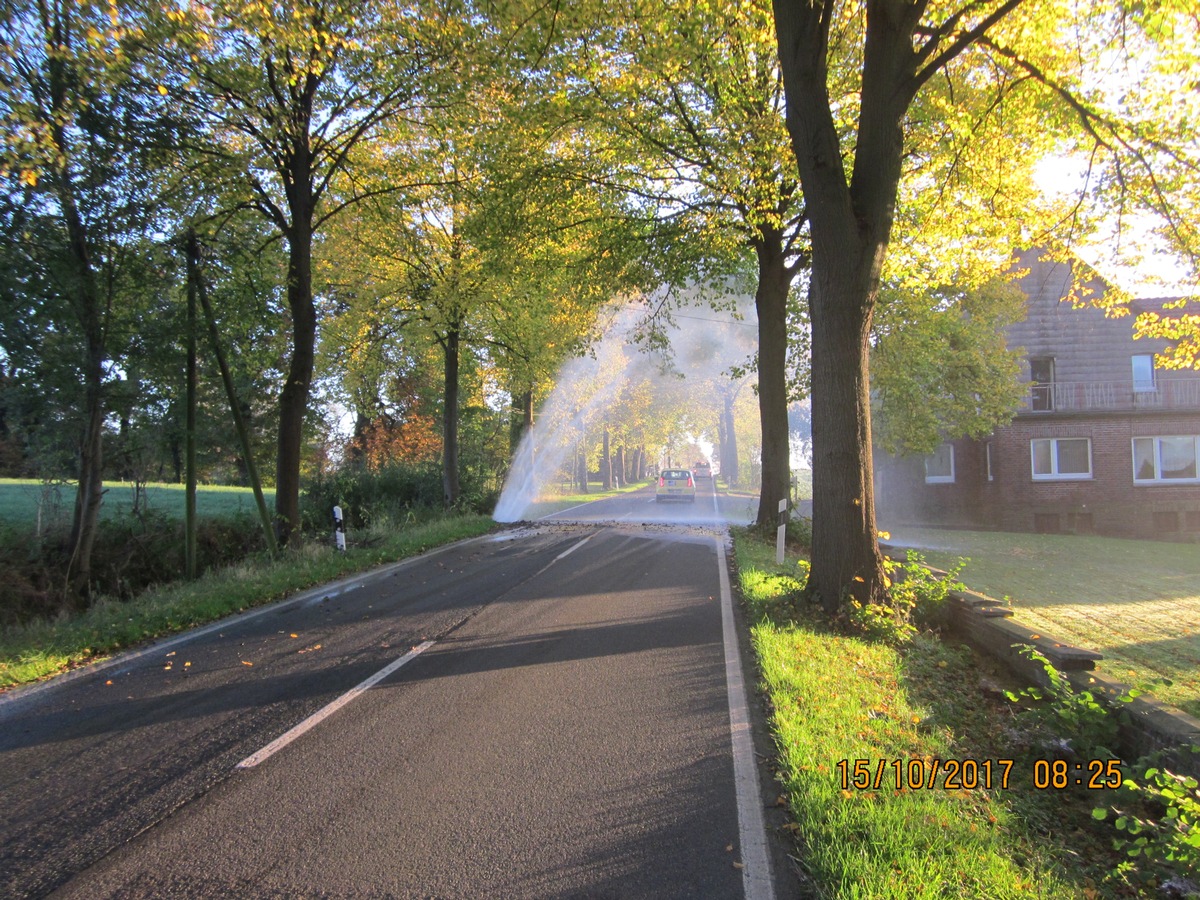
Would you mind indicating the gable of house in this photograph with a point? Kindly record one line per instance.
(1105, 442)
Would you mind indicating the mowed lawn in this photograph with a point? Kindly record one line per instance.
(21, 501)
(1137, 602)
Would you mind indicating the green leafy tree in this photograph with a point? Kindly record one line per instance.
(868, 87)
(707, 135)
(80, 159)
(289, 94)
(941, 368)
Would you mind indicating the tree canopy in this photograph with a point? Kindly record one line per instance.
(415, 214)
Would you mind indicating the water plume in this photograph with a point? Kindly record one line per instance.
(688, 354)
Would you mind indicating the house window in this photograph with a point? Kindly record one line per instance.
(1061, 458)
(939, 465)
(987, 460)
(1166, 459)
(1143, 372)
(1041, 374)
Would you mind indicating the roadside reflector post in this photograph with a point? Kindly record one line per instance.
(781, 532)
(339, 529)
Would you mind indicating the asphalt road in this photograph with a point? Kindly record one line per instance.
(711, 508)
(567, 725)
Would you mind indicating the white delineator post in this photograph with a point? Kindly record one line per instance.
(339, 529)
(781, 532)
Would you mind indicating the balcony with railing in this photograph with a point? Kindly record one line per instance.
(1167, 394)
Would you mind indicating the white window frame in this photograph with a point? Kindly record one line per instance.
(1054, 474)
(1143, 386)
(1158, 439)
(987, 454)
(940, 479)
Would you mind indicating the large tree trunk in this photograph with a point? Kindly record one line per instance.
(850, 223)
(845, 554)
(293, 400)
(774, 281)
(450, 482)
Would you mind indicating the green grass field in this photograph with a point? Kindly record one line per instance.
(1137, 602)
(28, 501)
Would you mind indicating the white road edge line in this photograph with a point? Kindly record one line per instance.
(752, 834)
(321, 715)
(572, 549)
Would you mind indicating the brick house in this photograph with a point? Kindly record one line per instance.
(1105, 442)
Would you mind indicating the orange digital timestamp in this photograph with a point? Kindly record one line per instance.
(1092, 774)
(924, 774)
(973, 774)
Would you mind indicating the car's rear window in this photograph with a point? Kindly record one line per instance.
(675, 473)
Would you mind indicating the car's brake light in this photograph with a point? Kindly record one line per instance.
(690, 481)
(662, 482)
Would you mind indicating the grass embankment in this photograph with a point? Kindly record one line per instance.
(837, 698)
(43, 648)
(1136, 602)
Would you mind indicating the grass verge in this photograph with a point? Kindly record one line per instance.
(43, 648)
(837, 699)
(1136, 602)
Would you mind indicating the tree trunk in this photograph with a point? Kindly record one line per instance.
(729, 448)
(240, 460)
(581, 472)
(88, 309)
(845, 554)
(450, 482)
(193, 384)
(90, 493)
(619, 466)
(356, 454)
(520, 420)
(176, 451)
(606, 463)
(770, 299)
(293, 400)
(850, 223)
